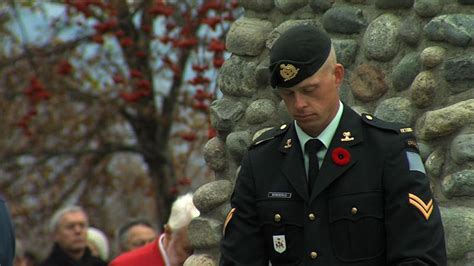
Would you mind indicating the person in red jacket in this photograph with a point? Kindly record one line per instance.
(172, 247)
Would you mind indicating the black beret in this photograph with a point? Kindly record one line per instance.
(297, 54)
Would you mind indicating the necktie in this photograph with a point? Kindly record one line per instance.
(312, 147)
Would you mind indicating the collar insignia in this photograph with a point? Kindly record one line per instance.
(288, 72)
(288, 144)
(425, 209)
(347, 136)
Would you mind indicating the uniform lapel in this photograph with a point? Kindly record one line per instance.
(330, 171)
(292, 164)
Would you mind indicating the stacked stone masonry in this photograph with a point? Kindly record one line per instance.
(407, 61)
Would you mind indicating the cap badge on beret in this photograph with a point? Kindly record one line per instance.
(288, 72)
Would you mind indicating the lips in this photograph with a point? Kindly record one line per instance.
(304, 117)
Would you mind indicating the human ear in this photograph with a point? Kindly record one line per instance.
(338, 74)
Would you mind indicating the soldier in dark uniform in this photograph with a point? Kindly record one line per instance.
(7, 236)
(333, 187)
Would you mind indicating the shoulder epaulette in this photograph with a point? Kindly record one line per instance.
(268, 134)
(379, 123)
(406, 133)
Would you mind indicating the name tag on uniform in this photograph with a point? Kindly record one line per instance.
(279, 195)
(279, 243)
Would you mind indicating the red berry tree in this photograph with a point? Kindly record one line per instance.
(107, 79)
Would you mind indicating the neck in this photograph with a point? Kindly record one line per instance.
(75, 255)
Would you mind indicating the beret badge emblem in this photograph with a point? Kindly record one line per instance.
(288, 71)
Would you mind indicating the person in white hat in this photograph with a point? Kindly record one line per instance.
(98, 243)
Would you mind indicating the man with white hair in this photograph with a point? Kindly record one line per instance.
(69, 228)
(172, 247)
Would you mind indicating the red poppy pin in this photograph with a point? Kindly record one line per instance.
(341, 156)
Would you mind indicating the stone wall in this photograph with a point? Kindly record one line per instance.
(408, 61)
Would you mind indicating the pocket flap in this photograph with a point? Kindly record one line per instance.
(356, 206)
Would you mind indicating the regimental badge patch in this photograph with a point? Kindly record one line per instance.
(279, 243)
(288, 72)
(425, 209)
(227, 219)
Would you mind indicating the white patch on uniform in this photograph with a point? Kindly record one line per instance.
(279, 243)
(415, 163)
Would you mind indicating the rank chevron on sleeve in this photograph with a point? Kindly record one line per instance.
(425, 209)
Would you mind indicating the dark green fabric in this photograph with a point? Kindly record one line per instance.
(7, 236)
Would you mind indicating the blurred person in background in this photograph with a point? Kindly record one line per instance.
(7, 236)
(98, 243)
(134, 234)
(30, 258)
(23, 257)
(172, 247)
(20, 259)
(69, 231)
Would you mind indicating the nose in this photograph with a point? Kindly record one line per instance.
(78, 228)
(300, 102)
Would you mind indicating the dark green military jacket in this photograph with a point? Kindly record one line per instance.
(371, 203)
(7, 236)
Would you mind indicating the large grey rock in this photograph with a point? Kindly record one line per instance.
(346, 51)
(247, 36)
(288, 6)
(459, 68)
(405, 72)
(237, 77)
(387, 4)
(410, 30)
(423, 89)
(459, 184)
(381, 38)
(237, 144)
(456, 29)
(204, 233)
(432, 56)
(320, 6)
(459, 231)
(428, 8)
(214, 154)
(260, 111)
(368, 83)
(357, 1)
(211, 195)
(425, 150)
(444, 121)
(225, 113)
(278, 31)
(344, 19)
(283, 112)
(397, 109)
(462, 148)
(434, 163)
(459, 97)
(262, 75)
(257, 5)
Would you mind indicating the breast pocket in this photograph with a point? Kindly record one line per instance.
(357, 227)
(282, 226)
